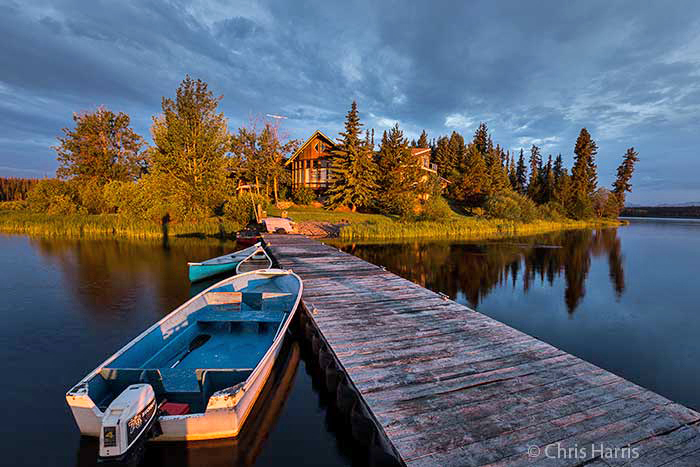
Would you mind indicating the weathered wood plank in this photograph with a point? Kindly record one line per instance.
(449, 386)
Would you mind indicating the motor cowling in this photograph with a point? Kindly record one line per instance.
(127, 421)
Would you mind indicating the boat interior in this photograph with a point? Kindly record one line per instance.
(238, 321)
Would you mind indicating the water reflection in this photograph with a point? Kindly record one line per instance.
(475, 270)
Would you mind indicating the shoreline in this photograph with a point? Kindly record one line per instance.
(367, 228)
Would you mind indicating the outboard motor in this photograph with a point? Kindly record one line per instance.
(127, 422)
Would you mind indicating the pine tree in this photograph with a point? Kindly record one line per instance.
(441, 156)
(512, 173)
(534, 185)
(583, 177)
(584, 172)
(399, 174)
(354, 171)
(481, 139)
(548, 182)
(624, 175)
(423, 140)
(562, 182)
(521, 174)
(497, 180)
(473, 182)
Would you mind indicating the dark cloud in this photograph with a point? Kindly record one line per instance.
(535, 72)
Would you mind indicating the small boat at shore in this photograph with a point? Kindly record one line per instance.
(220, 264)
(196, 373)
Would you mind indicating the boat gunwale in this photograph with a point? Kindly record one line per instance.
(227, 255)
(259, 247)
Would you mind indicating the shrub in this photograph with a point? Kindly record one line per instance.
(551, 211)
(91, 197)
(13, 205)
(581, 208)
(53, 196)
(303, 195)
(241, 208)
(511, 206)
(402, 204)
(436, 208)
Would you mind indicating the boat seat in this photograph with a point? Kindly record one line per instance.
(224, 313)
(180, 380)
(213, 379)
(118, 379)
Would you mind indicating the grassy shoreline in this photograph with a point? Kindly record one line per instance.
(109, 226)
(359, 226)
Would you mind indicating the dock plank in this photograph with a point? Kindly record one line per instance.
(446, 385)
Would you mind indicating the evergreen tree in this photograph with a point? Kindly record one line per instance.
(399, 174)
(497, 180)
(512, 173)
(534, 186)
(442, 156)
(481, 139)
(548, 182)
(584, 172)
(473, 183)
(521, 174)
(562, 182)
(354, 172)
(101, 148)
(624, 176)
(423, 140)
(456, 153)
(583, 177)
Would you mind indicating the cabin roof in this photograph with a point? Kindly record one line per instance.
(419, 151)
(318, 133)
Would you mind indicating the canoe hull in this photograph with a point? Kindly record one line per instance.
(198, 272)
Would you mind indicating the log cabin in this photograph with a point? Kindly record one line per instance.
(310, 165)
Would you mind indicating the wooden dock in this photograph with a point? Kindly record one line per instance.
(445, 385)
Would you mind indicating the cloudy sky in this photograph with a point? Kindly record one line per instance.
(535, 72)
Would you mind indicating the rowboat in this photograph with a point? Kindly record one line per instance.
(220, 264)
(258, 259)
(196, 373)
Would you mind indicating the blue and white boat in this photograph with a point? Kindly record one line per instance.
(225, 263)
(208, 359)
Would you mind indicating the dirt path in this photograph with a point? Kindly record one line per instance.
(318, 229)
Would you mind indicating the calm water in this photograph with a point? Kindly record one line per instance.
(67, 305)
(624, 299)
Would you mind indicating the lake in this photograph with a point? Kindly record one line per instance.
(624, 299)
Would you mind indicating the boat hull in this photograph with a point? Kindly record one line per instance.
(221, 423)
(226, 410)
(198, 272)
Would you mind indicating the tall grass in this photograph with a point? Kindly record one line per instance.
(109, 226)
(460, 228)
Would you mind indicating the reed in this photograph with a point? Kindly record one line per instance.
(460, 228)
(109, 226)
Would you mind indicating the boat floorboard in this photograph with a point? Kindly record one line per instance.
(449, 386)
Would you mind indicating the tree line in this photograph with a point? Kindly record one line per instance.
(15, 189)
(195, 166)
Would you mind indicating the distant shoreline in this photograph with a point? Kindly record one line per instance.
(662, 212)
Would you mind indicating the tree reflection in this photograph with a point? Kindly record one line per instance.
(474, 270)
